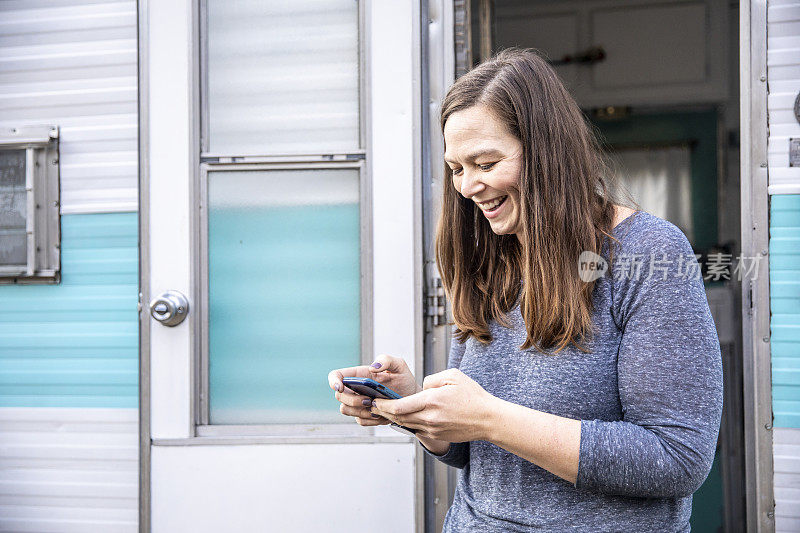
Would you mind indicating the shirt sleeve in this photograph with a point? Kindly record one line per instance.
(669, 378)
(458, 453)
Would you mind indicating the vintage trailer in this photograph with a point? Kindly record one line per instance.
(207, 205)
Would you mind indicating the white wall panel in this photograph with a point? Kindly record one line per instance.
(783, 78)
(73, 64)
(786, 453)
(393, 195)
(170, 173)
(291, 488)
(68, 469)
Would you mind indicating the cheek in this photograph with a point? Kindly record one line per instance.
(457, 184)
(510, 182)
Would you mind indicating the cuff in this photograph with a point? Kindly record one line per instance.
(587, 458)
(457, 455)
(450, 451)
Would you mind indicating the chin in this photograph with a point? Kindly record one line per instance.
(501, 231)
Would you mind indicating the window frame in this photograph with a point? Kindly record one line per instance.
(43, 225)
(215, 162)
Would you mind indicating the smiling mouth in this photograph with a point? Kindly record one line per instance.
(494, 205)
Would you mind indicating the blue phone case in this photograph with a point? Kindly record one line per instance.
(373, 389)
(370, 387)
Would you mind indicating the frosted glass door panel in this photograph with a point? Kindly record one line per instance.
(284, 292)
(283, 76)
(13, 208)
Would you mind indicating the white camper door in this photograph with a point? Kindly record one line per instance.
(288, 219)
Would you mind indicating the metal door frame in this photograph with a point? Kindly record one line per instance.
(142, 38)
(437, 70)
(757, 379)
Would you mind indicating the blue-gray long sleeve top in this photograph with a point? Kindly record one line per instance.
(649, 398)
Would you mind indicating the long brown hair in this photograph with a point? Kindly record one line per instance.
(566, 208)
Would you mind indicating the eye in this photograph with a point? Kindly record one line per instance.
(487, 166)
(456, 171)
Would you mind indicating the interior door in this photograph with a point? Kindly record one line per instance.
(279, 239)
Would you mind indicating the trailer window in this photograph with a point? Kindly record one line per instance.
(13, 209)
(29, 205)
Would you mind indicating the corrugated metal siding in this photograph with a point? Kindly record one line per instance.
(73, 64)
(783, 81)
(786, 452)
(69, 470)
(783, 71)
(76, 344)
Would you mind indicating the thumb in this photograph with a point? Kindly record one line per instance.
(388, 363)
(403, 406)
(440, 379)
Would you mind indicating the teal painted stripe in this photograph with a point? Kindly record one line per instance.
(784, 278)
(76, 344)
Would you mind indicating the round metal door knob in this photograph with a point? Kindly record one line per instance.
(170, 308)
(797, 108)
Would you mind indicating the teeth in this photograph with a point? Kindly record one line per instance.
(491, 205)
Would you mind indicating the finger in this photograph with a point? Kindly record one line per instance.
(335, 380)
(409, 404)
(416, 420)
(374, 412)
(388, 363)
(371, 421)
(360, 412)
(440, 379)
(353, 400)
(401, 420)
(335, 376)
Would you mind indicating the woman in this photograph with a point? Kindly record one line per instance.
(574, 399)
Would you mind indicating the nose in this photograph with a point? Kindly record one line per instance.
(471, 184)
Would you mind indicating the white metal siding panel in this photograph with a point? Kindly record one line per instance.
(72, 63)
(68, 470)
(786, 452)
(783, 77)
(283, 488)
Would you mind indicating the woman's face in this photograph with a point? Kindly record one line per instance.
(486, 160)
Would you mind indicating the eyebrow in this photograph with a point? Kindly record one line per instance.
(475, 155)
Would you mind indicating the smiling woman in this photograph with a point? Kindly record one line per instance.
(589, 402)
(513, 133)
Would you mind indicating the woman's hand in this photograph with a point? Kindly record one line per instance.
(452, 407)
(387, 370)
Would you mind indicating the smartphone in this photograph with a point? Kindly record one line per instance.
(373, 389)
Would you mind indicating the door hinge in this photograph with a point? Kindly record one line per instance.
(435, 301)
